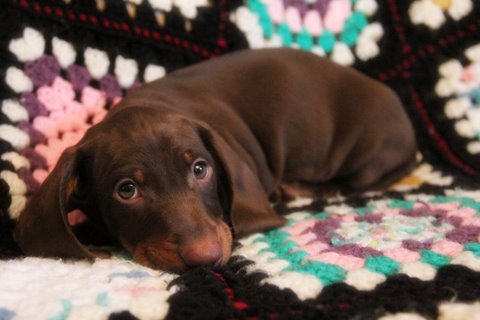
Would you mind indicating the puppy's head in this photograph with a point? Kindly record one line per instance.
(166, 188)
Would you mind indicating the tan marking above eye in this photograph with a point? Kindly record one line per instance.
(188, 157)
(139, 175)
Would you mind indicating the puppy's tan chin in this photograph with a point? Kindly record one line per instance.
(226, 241)
(157, 259)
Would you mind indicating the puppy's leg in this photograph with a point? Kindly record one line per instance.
(375, 175)
(372, 177)
(291, 190)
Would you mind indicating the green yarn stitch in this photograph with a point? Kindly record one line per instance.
(327, 41)
(327, 273)
(401, 204)
(260, 9)
(267, 26)
(265, 21)
(102, 299)
(464, 201)
(291, 222)
(476, 96)
(305, 40)
(273, 237)
(383, 265)
(336, 242)
(352, 28)
(285, 248)
(320, 215)
(473, 247)
(279, 243)
(255, 5)
(434, 259)
(349, 36)
(470, 203)
(295, 257)
(419, 228)
(285, 34)
(364, 210)
(282, 247)
(357, 20)
(66, 309)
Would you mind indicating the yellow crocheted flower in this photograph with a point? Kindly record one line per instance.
(434, 13)
(444, 4)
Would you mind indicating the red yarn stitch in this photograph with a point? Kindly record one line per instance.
(398, 26)
(425, 51)
(125, 27)
(47, 10)
(451, 156)
(343, 305)
(407, 63)
(238, 304)
(82, 17)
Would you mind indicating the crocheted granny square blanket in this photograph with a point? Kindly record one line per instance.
(411, 251)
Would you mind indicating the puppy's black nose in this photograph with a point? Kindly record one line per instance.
(206, 252)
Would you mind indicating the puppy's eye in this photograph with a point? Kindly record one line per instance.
(127, 190)
(200, 169)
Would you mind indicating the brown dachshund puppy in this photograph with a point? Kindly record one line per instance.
(184, 161)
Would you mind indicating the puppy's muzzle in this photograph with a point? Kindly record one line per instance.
(205, 252)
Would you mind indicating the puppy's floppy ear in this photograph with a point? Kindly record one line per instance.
(42, 228)
(249, 206)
